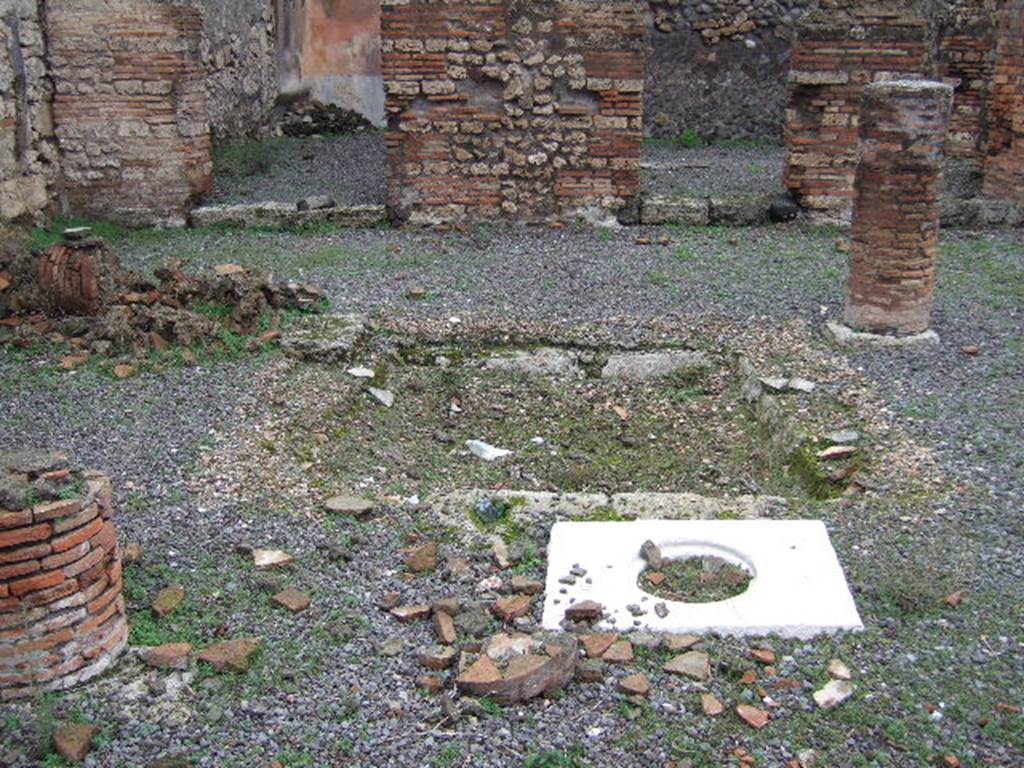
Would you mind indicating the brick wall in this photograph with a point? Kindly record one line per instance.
(27, 150)
(835, 56)
(967, 62)
(130, 108)
(61, 608)
(1004, 162)
(513, 109)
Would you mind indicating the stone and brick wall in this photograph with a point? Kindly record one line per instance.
(506, 108)
(28, 157)
(966, 58)
(1004, 161)
(62, 616)
(129, 107)
(835, 56)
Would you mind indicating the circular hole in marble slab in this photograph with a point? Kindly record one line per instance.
(698, 573)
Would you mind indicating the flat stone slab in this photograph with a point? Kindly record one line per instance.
(324, 338)
(273, 215)
(641, 366)
(848, 337)
(545, 361)
(798, 590)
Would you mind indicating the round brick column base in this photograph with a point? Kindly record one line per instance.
(62, 615)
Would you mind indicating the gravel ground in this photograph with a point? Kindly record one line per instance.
(350, 168)
(213, 458)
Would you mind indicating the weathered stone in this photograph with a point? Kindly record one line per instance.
(167, 601)
(74, 740)
(635, 685)
(271, 558)
(546, 668)
(407, 613)
(422, 559)
(233, 655)
(444, 627)
(752, 716)
(329, 339)
(711, 705)
(350, 505)
(292, 599)
(596, 645)
(619, 652)
(168, 656)
(526, 586)
(586, 610)
(693, 664)
(512, 607)
(640, 366)
(437, 657)
(834, 693)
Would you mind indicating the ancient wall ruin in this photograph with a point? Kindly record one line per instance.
(835, 56)
(1004, 161)
(502, 108)
(28, 158)
(130, 108)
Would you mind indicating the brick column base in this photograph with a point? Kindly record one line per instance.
(897, 196)
(61, 609)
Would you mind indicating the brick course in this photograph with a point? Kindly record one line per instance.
(1004, 162)
(507, 109)
(62, 616)
(130, 108)
(895, 233)
(837, 54)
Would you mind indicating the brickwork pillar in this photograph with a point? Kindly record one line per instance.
(61, 607)
(1004, 162)
(897, 196)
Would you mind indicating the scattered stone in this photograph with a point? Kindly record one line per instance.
(422, 559)
(953, 599)
(774, 383)
(502, 646)
(437, 657)
(972, 350)
(74, 740)
(546, 361)
(167, 600)
(661, 610)
(587, 610)
(349, 505)
(711, 705)
(473, 623)
(801, 385)
(807, 757)
(843, 437)
(836, 452)
(383, 396)
(416, 292)
(393, 646)
(271, 558)
(693, 664)
(651, 554)
(834, 693)
(490, 584)
(512, 607)
(450, 605)
(752, 716)
(635, 685)
(328, 339)
(590, 671)
(485, 451)
(548, 666)
(656, 578)
(764, 655)
(500, 550)
(430, 683)
(123, 370)
(360, 372)
(132, 553)
(167, 656)
(315, 203)
(619, 652)
(407, 613)
(294, 600)
(234, 655)
(595, 645)
(224, 270)
(526, 586)
(444, 628)
(681, 642)
(837, 670)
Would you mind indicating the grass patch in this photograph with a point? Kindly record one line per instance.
(696, 580)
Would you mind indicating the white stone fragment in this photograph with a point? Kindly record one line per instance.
(798, 589)
(834, 693)
(485, 451)
(361, 373)
(383, 396)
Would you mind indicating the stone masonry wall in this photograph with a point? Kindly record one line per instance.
(130, 108)
(514, 109)
(62, 615)
(28, 159)
(835, 56)
(1004, 163)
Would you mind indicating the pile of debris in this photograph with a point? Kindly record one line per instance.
(78, 290)
(311, 118)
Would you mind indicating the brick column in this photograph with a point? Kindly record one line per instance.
(61, 608)
(898, 190)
